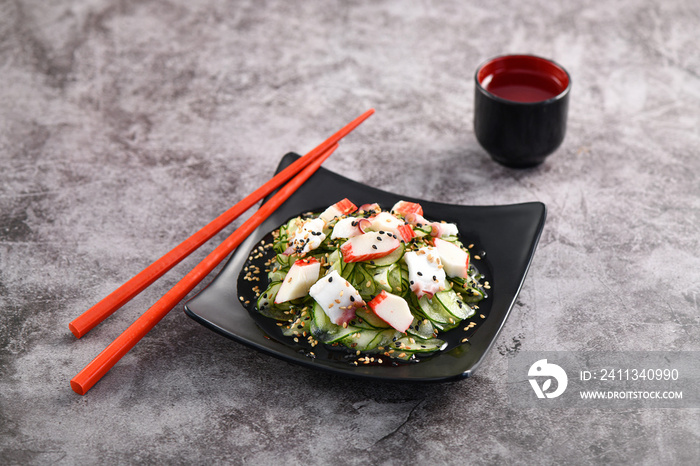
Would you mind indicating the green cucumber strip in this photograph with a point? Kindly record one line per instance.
(288, 331)
(455, 306)
(293, 225)
(267, 306)
(336, 261)
(326, 331)
(347, 271)
(395, 280)
(284, 260)
(470, 293)
(338, 334)
(361, 340)
(362, 323)
(320, 321)
(267, 298)
(385, 338)
(390, 258)
(277, 276)
(422, 328)
(420, 346)
(361, 279)
(381, 278)
(423, 231)
(368, 316)
(434, 311)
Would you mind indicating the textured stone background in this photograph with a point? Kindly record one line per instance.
(126, 125)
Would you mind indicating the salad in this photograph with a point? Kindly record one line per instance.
(379, 284)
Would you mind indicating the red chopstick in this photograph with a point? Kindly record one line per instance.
(103, 309)
(99, 366)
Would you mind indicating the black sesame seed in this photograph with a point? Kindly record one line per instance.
(374, 246)
(379, 238)
(352, 299)
(330, 279)
(420, 274)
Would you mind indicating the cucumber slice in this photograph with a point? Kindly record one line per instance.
(364, 283)
(385, 338)
(381, 278)
(283, 260)
(266, 303)
(470, 293)
(338, 334)
(320, 323)
(422, 328)
(361, 340)
(418, 345)
(434, 311)
(398, 279)
(348, 270)
(335, 260)
(298, 328)
(422, 231)
(293, 225)
(276, 276)
(326, 331)
(455, 306)
(362, 323)
(370, 318)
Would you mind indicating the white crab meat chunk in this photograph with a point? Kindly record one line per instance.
(444, 229)
(301, 276)
(338, 209)
(337, 297)
(346, 228)
(455, 260)
(308, 238)
(406, 207)
(393, 310)
(438, 229)
(425, 271)
(384, 221)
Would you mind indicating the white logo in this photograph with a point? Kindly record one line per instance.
(542, 368)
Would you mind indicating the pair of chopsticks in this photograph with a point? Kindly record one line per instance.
(298, 172)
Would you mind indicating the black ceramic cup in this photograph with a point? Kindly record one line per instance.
(520, 108)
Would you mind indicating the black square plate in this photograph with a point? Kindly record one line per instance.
(507, 234)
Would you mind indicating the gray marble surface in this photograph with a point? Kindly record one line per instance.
(126, 125)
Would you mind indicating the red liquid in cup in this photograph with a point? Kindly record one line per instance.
(524, 86)
(523, 78)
